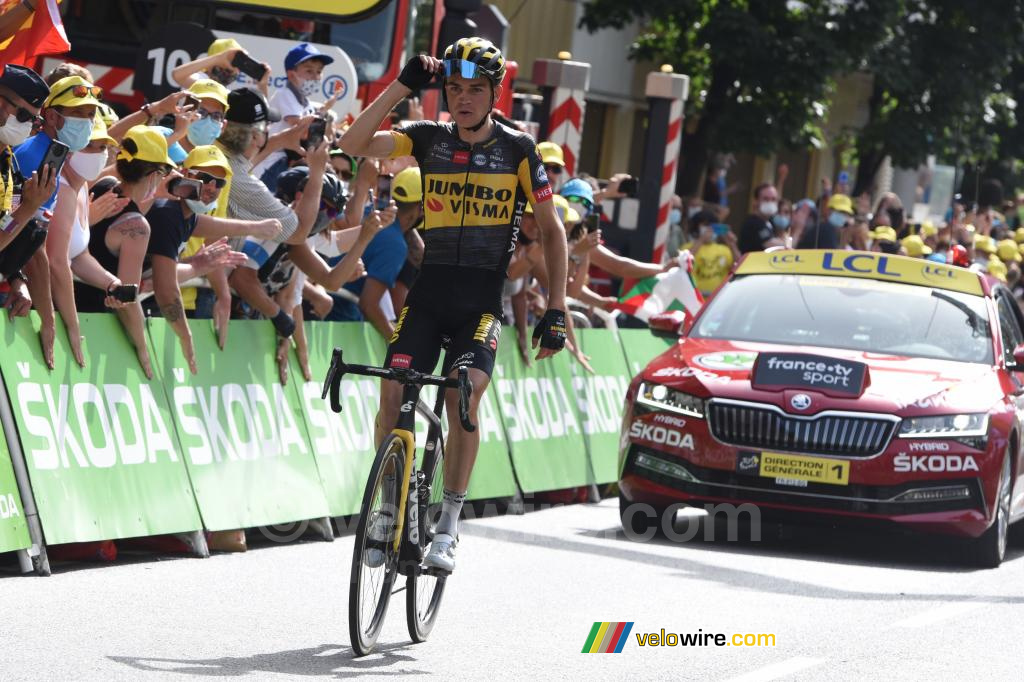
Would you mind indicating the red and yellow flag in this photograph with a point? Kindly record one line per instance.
(41, 34)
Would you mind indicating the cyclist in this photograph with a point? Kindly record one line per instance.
(478, 176)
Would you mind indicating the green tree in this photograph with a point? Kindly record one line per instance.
(938, 74)
(760, 70)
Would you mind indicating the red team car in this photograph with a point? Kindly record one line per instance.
(838, 384)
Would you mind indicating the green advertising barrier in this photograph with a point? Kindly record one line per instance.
(13, 528)
(599, 397)
(99, 442)
(541, 424)
(640, 347)
(342, 443)
(242, 433)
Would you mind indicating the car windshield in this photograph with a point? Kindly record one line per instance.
(858, 314)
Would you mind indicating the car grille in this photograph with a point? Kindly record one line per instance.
(829, 433)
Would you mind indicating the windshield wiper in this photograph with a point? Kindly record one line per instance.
(978, 325)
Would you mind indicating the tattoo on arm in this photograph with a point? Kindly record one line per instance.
(133, 228)
(173, 312)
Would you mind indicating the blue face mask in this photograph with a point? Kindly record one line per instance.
(837, 219)
(675, 216)
(75, 133)
(203, 131)
(781, 222)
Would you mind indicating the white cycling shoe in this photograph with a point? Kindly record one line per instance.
(441, 554)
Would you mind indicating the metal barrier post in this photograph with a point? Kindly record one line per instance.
(34, 558)
(563, 84)
(666, 93)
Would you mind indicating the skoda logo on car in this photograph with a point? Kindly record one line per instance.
(801, 401)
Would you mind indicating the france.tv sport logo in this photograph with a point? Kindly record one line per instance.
(607, 637)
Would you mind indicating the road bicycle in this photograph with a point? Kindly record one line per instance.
(400, 508)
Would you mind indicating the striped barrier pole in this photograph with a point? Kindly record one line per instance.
(666, 92)
(563, 84)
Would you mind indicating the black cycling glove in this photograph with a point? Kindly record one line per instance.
(551, 330)
(283, 323)
(414, 75)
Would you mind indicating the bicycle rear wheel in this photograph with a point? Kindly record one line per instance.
(374, 559)
(423, 592)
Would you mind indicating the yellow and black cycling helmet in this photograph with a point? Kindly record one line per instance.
(473, 58)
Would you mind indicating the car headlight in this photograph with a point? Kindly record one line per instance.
(945, 426)
(661, 397)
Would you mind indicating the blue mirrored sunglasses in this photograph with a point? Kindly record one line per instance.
(460, 67)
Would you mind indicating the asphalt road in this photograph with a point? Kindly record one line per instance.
(842, 605)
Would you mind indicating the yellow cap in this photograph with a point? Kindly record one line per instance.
(551, 154)
(884, 233)
(207, 156)
(106, 113)
(915, 246)
(99, 132)
(928, 229)
(222, 45)
(407, 187)
(150, 145)
(841, 202)
(1007, 251)
(997, 269)
(207, 88)
(73, 91)
(985, 244)
(1018, 235)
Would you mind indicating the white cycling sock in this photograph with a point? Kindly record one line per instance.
(451, 507)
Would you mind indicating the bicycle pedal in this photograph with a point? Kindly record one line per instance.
(434, 571)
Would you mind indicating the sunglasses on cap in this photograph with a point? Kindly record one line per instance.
(586, 203)
(217, 116)
(461, 67)
(207, 178)
(553, 169)
(21, 114)
(79, 91)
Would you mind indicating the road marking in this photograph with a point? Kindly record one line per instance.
(777, 670)
(938, 614)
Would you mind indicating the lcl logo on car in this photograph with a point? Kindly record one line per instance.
(801, 401)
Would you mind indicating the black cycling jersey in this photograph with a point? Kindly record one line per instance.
(473, 195)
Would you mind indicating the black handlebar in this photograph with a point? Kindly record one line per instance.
(338, 368)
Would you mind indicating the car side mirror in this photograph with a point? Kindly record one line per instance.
(1018, 359)
(668, 325)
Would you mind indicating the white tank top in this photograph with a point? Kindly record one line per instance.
(79, 238)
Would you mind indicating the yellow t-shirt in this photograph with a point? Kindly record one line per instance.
(188, 294)
(711, 265)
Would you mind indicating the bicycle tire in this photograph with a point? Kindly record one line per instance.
(363, 627)
(423, 592)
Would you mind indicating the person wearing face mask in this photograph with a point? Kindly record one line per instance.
(67, 115)
(119, 242)
(173, 221)
(827, 233)
(67, 239)
(303, 65)
(22, 191)
(209, 121)
(757, 229)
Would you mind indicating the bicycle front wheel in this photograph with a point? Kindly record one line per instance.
(374, 559)
(423, 592)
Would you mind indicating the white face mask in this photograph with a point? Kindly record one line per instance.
(199, 207)
(310, 87)
(88, 166)
(769, 208)
(14, 132)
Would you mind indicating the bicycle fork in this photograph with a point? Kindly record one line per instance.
(405, 429)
